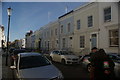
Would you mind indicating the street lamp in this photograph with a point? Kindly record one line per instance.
(9, 10)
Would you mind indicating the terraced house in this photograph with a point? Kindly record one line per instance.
(94, 24)
(2, 37)
(50, 36)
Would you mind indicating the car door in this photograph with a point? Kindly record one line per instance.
(16, 71)
(58, 57)
(53, 54)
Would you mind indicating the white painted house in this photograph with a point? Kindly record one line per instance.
(2, 36)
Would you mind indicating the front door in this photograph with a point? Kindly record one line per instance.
(93, 40)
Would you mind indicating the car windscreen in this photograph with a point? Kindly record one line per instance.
(18, 51)
(87, 57)
(118, 55)
(64, 53)
(33, 61)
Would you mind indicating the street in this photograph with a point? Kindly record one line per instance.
(7, 73)
(0, 64)
(73, 72)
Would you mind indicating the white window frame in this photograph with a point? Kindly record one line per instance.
(90, 21)
(61, 29)
(97, 33)
(110, 14)
(110, 37)
(69, 27)
(80, 42)
(64, 43)
(79, 24)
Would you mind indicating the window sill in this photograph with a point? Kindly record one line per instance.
(114, 46)
(107, 21)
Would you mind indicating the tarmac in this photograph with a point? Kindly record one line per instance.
(0, 64)
(5, 72)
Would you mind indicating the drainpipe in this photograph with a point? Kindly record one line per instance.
(59, 34)
(119, 26)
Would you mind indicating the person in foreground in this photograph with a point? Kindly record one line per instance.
(102, 66)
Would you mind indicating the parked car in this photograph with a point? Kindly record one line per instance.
(11, 50)
(64, 57)
(84, 60)
(35, 66)
(116, 58)
(13, 55)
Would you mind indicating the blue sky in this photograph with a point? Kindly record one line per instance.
(32, 15)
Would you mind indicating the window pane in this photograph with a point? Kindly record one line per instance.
(90, 21)
(113, 36)
(68, 27)
(63, 42)
(114, 41)
(56, 31)
(107, 14)
(82, 41)
(78, 24)
(62, 29)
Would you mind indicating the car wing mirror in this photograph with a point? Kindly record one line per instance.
(12, 67)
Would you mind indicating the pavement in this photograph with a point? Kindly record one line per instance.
(0, 64)
(6, 72)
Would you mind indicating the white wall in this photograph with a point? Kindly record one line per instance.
(106, 26)
(0, 36)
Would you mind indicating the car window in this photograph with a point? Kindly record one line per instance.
(85, 57)
(56, 52)
(18, 51)
(63, 53)
(118, 55)
(33, 61)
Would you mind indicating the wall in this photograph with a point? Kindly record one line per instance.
(82, 14)
(106, 26)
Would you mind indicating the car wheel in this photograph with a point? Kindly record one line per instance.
(63, 61)
(89, 67)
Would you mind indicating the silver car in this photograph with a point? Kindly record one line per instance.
(116, 58)
(84, 60)
(64, 57)
(35, 66)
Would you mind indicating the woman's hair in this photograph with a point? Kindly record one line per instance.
(102, 51)
(93, 48)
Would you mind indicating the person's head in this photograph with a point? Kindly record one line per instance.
(94, 49)
(102, 51)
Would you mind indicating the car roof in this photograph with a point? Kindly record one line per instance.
(18, 49)
(26, 54)
(59, 50)
(114, 54)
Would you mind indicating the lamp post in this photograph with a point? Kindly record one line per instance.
(9, 14)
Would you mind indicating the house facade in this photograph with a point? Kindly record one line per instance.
(66, 31)
(109, 27)
(21, 43)
(95, 24)
(86, 29)
(50, 36)
(28, 39)
(2, 37)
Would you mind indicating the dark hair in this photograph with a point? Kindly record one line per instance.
(93, 48)
(102, 51)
